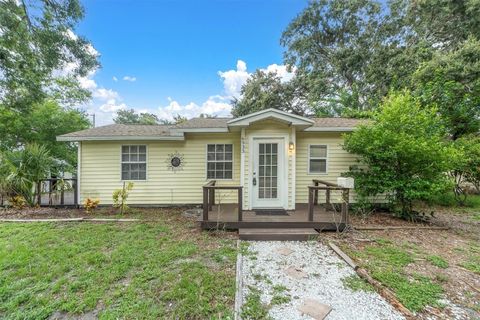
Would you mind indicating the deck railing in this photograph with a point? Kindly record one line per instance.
(209, 198)
(328, 187)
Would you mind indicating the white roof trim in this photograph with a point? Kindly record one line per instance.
(330, 129)
(122, 138)
(270, 113)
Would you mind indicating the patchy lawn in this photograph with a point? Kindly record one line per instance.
(434, 273)
(157, 269)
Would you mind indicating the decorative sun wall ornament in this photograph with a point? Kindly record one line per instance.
(175, 161)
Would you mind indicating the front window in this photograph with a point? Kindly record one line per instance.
(134, 162)
(317, 159)
(219, 161)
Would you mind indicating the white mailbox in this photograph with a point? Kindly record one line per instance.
(345, 182)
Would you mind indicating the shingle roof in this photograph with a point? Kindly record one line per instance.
(195, 123)
(122, 130)
(338, 122)
(222, 123)
(113, 131)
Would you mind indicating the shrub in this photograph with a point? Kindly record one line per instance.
(120, 197)
(18, 202)
(90, 204)
(402, 153)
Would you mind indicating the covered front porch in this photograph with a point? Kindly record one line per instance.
(326, 210)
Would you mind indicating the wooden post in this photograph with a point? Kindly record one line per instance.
(327, 196)
(39, 193)
(345, 198)
(240, 204)
(211, 198)
(205, 204)
(50, 188)
(315, 201)
(75, 192)
(62, 193)
(310, 203)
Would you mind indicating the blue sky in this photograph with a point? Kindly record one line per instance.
(181, 57)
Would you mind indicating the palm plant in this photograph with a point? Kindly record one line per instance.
(27, 168)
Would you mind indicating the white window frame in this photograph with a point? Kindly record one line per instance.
(317, 158)
(133, 162)
(215, 161)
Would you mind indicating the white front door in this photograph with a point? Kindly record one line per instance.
(267, 176)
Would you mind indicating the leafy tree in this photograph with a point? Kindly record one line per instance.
(404, 151)
(42, 125)
(466, 165)
(36, 44)
(132, 117)
(452, 82)
(345, 53)
(178, 119)
(265, 90)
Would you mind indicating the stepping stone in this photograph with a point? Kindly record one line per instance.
(284, 251)
(295, 273)
(315, 309)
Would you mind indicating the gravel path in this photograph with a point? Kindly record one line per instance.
(317, 274)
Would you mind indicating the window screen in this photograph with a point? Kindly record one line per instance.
(318, 159)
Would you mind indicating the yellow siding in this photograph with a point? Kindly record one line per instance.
(338, 161)
(101, 174)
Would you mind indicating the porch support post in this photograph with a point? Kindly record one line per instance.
(240, 203)
(205, 204)
(310, 204)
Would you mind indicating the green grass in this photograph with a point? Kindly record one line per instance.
(415, 293)
(448, 200)
(388, 264)
(253, 308)
(355, 283)
(136, 270)
(438, 261)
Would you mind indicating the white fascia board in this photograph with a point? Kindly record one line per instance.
(270, 113)
(329, 129)
(122, 138)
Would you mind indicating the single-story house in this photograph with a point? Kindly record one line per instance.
(269, 158)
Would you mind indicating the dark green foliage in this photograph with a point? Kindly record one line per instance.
(266, 90)
(404, 153)
(36, 44)
(41, 125)
(132, 117)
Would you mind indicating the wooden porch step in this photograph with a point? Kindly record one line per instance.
(291, 234)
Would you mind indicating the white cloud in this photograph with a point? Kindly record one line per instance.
(281, 71)
(214, 105)
(112, 106)
(115, 79)
(233, 80)
(129, 78)
(105, 94)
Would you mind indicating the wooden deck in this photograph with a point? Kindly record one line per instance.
(225, 216)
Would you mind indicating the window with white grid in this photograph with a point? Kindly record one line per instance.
(134, 162)
(219, 161)
(317, 159)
